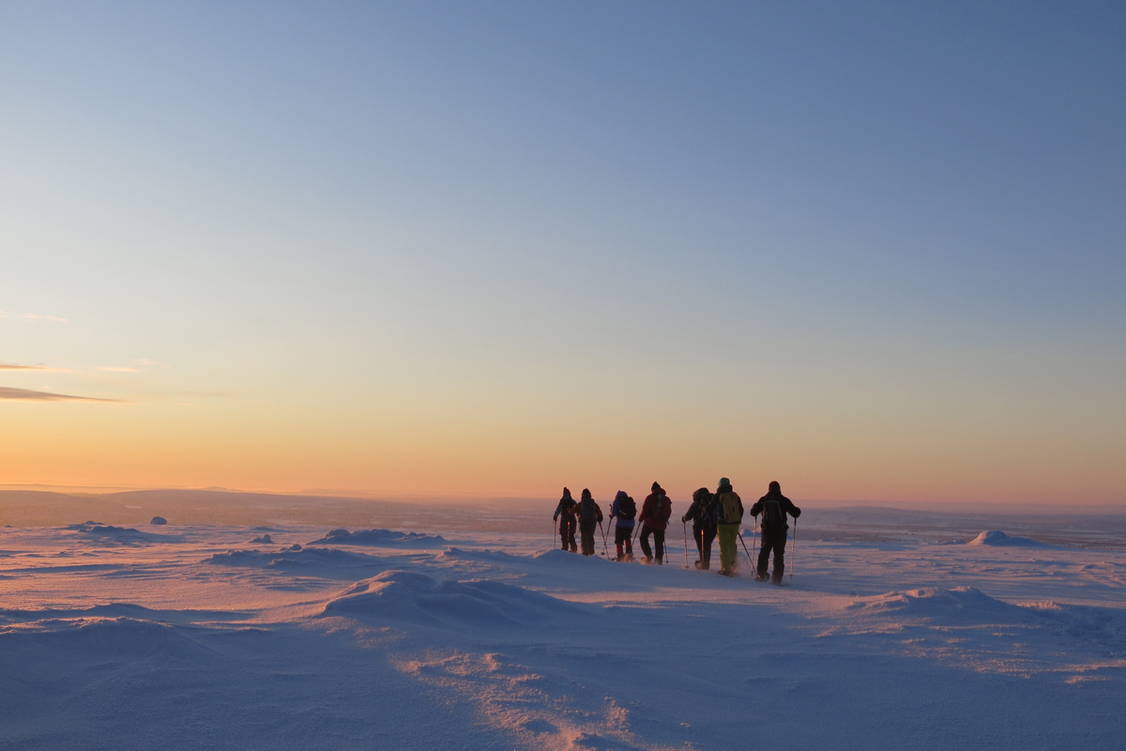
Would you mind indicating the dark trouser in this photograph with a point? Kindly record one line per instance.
(567, 533)
(624, 536)
(773, 539)
(586, 532)
(658, 540)
(704, 536)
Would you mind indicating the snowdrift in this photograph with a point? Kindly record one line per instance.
(964, 605)
(289, 558)
(379, 537)
(411, 597)
(109, 534)
(79, 640)
(114, 609)
(127, 610)
(998, 538)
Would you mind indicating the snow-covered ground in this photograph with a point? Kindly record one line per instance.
(890, 635)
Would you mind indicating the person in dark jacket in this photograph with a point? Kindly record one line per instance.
(565, 515)
(702, 513)
(774, 507)
(624, 510)
(655, 513)
(729, 517)
(590, 514)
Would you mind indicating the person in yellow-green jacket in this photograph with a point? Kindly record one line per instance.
(730, 518)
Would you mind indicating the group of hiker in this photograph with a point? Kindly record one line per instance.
(718, 514)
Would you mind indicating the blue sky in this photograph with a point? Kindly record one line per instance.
(903, 218)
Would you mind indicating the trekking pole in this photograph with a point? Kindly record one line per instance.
(746, 551)
(794, 557)
(604, 553)
(685, 525)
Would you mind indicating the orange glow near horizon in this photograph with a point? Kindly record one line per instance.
(122, 446)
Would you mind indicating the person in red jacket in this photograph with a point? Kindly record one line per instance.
(655, 513)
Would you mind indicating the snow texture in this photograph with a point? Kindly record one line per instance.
(379, 538)
(114, 638)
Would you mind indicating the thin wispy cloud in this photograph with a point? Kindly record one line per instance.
(30, 395)
(36, 368)
(34, 317)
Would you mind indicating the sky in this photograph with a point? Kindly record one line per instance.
(875, 251)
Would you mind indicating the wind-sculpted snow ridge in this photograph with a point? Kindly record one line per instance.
(380, 537)
(126, 610)
(998, 538)
(289, 558)
(961, 604)
(411, 597)
(107, 533)
(95, 639)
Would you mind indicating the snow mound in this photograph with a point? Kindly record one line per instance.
(158, 520)
(98, 638)
(264, 540)
(379, 537)
(1000, 539)
(107, 533)
(964, 604)
(113, 609)
(419, 599)
(300, 558)
(110, 610)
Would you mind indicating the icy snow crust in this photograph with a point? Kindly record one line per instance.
(146, 640)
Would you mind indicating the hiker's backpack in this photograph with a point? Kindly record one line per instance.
(773, 513)
(586, 510)
(707, 513)
(627, 508)
(731, 507)
(567, 507)
(664, 508)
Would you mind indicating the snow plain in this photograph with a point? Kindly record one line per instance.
(891, 633)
